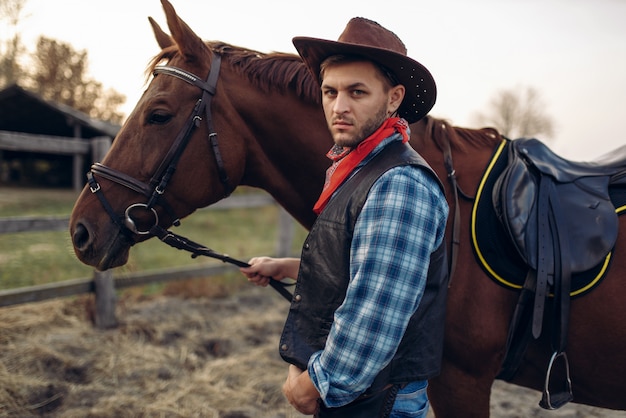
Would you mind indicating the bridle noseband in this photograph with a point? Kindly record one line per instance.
(154, 191)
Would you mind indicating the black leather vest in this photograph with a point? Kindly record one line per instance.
(324, 276)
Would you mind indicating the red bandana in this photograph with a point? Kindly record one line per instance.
(346, 159)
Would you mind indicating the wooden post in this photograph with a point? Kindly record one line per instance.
(104, 287)
(78, 177)
(285, 234)
(99, 147)
(4, 168)
(106, 299)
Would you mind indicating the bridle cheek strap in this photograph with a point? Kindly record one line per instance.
(168, 165)
(207, 95)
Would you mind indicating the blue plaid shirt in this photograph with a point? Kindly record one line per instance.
(401, 224)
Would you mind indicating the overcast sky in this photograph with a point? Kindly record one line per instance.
(573, 52)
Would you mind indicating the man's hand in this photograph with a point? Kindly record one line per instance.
(300, 391)
(264, 269)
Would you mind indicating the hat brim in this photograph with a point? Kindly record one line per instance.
(421, 91)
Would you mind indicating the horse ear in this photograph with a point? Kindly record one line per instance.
(162, 38)
(189, 44)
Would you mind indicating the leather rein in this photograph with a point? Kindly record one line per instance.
(154, 191)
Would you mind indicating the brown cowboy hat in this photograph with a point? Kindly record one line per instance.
(370, 40)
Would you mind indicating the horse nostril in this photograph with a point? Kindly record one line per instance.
(81, 237)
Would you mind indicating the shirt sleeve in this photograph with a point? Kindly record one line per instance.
(400, 225)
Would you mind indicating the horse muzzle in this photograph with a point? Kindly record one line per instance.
(103, 248)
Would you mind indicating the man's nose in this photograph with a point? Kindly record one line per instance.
(341, 104)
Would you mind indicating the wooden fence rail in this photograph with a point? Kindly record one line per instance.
(73, 287)
(78, 148)
(104, 285)
(15, 224)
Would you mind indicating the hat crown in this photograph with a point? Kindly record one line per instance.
(365, 32)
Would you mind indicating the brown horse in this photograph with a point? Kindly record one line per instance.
(260, 124)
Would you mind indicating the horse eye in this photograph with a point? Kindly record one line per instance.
(159, 118)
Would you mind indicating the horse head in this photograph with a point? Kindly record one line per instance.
(164, 163)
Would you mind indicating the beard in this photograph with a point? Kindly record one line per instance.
(367, 129)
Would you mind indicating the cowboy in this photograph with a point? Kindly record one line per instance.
(365, 328)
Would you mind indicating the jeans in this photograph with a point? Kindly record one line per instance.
(411, 402)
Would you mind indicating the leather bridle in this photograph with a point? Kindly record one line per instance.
(155, 189)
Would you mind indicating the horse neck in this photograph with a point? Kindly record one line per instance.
(285, 154)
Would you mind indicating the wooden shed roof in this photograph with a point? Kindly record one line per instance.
(25, 111)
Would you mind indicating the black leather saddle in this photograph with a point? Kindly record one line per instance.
(560, 218)
(538, 185)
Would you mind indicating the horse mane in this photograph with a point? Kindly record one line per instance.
(441, 131)
(279, 71)
(268, 71)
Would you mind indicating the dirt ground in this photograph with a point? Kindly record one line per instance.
(170, 356)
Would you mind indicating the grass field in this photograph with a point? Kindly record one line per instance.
(44, 257)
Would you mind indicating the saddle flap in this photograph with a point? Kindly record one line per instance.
(588, 212)
(514, 199)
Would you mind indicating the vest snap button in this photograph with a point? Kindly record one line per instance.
(284, 347)
(297, 298)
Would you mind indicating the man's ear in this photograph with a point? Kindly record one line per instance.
(396, 95)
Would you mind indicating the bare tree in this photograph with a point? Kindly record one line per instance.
(518, 113)
(11, 48)
(59, 73)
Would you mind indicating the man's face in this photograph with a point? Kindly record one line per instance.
(356, 101)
